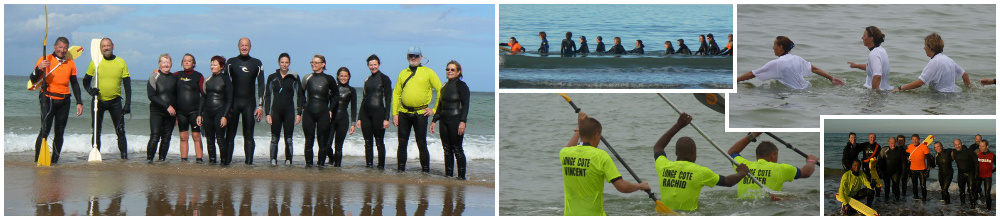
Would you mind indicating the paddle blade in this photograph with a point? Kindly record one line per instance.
(95, 52)
(663, 209)
(928, 140)
(74, 52)
(31, 85)
(45, 156)
(95, 155)
(566, 97)
(713, 101)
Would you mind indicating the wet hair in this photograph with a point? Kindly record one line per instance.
(711, 36)
(344, 69)
(220, 59)
(375, 58)
(63, 40)
(193, 60)
(934, 42)
(600, 38)
(680, 41)
(640, 43)
(542, 34)
(164, 55)
(877, 36)
(321, 58)
(458, 67)
(765, 149)
(285, 55)
(584, 38)
(589, 127)
(569, 35)
(511, 38)
(785, 43)
(668, 43)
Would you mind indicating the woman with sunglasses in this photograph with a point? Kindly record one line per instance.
(452, 110)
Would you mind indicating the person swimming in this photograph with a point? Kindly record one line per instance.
(600, 45)
(638, 48)
(617, 48)
(669, 48)
(682, 48)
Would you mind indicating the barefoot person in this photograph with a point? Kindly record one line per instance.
(283, 86)
(189, 84)
(112, 80)
(56, 74)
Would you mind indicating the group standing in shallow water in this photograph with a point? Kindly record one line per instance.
(941, 73)
(568, 47)
(213, 105)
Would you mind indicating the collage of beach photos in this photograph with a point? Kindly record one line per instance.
(399, 108)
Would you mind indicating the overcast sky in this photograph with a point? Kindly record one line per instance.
(917, 126)
(345, 34)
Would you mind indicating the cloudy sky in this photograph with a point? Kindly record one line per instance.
(917, 126)
(345, 34)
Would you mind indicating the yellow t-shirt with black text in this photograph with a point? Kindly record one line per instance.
(681, 182)
(772, 175)
(585, 170)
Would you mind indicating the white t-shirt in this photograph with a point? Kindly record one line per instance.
(878, 65)
(789, 69)
(941, 73)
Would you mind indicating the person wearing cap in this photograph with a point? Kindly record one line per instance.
(789, 69)
(415, 87)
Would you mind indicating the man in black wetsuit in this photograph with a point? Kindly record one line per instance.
(894, 168)
(583, 46)
(968, 169)
(282, 87)
(244, 70)
(850, 151)
(713, 48)
(683, 49)
(543, 49)
(162, 93)
(617, 48)
(568, 47)
(113, 79)
(943, 159)
(901, 141)
(869, 152)
(600, 45)
(375, 101)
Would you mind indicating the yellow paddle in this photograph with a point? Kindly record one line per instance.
(44, 157)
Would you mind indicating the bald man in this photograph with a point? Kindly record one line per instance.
(681, 181)
(246, 72)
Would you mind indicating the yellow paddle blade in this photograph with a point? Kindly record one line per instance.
(858, 205)
(929, 140)
(663, 209)
(566, 97)
(30, 85)
(74, 52)
(45, 157)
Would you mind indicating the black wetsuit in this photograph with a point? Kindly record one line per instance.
(868, 152)
(189, 84)
(341, 122)
(600, 47)
(683, 49)
(244, 70)
(544, 48)
(568, 48)
(583, 48)
(375, 101)
(53, 110)
(943, 161)
(215, 105)
(617, 49)
(894, 167)
(279, 103)
(638, 50)
(115, 108)
(453, 109)
(669, 51)
(162, 93)
(702, 50)
(968, 169)
(850, 154)
(319, 99)
(713, 48)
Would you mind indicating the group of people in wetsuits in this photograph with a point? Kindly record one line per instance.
(568, 47)
(217, 102)
(870, 168)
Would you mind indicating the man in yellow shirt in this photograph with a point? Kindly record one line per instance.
(411, 99)
(854, 185)
(681, 181)
(767, 169)
(585, 168)
(112, 80)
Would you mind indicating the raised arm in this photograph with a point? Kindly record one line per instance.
(742, 143)
(683, 120)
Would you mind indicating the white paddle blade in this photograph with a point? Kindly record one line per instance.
(95, 155)
(95, 52)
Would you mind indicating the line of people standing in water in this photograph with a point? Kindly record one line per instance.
(568, 47)
(941, 73)
(214, 104)
(890, 167)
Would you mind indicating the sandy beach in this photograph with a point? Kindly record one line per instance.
(116, 187)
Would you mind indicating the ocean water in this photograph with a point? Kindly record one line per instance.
(653, 24)
(530, 180)
(833, 146)
(828, 36)
(21, 124)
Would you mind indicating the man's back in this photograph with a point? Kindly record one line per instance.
(585, 169)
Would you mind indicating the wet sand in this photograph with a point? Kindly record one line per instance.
(116, 187)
